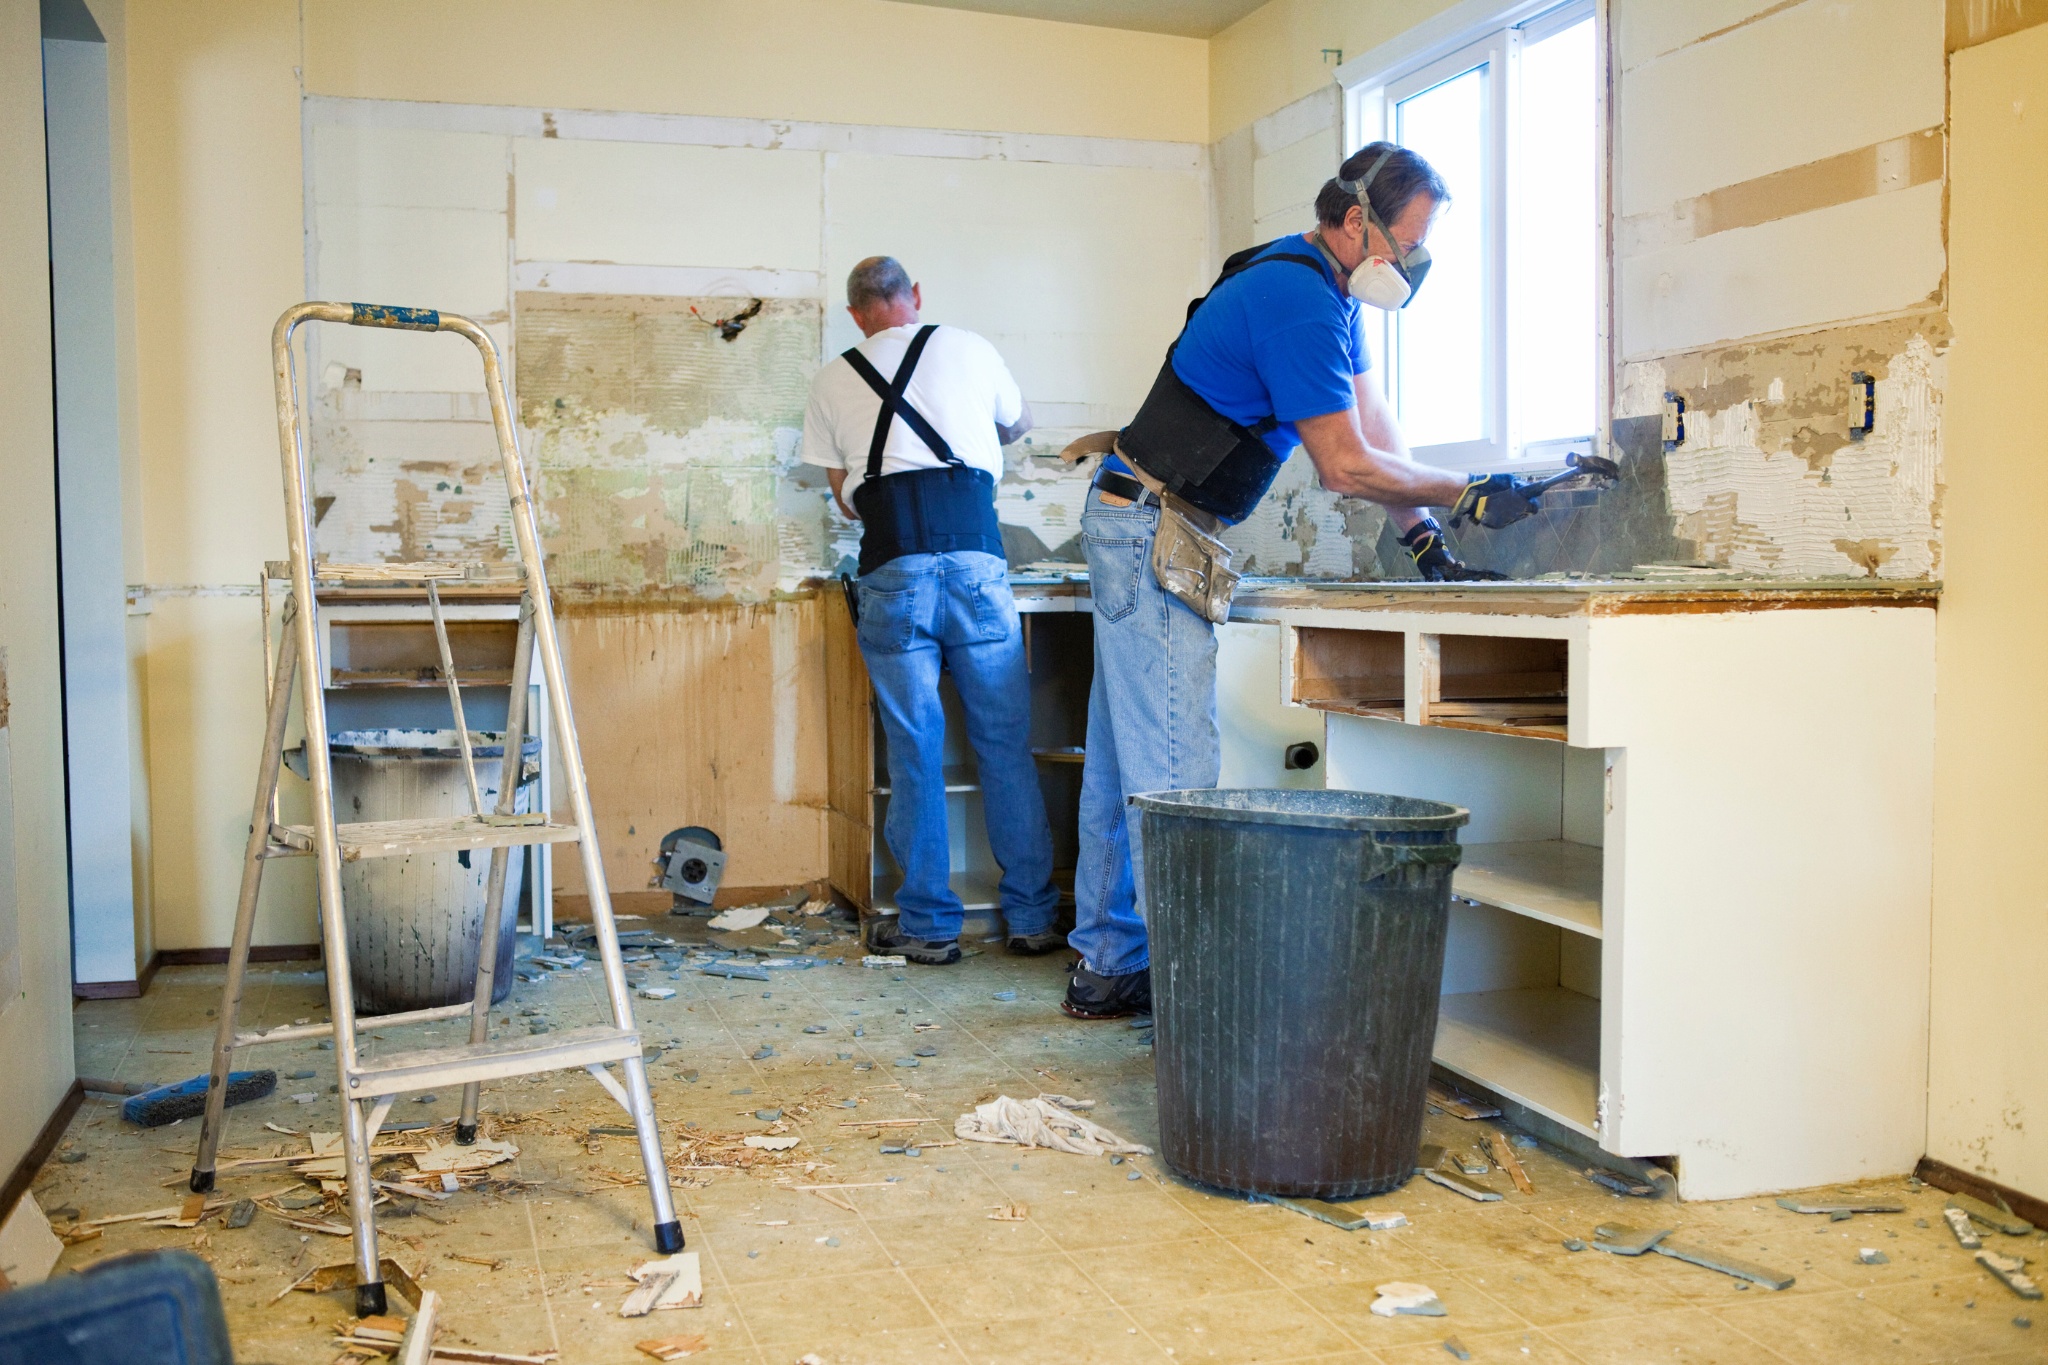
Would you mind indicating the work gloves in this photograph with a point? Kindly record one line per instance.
(1425, 545)
(1495, 500)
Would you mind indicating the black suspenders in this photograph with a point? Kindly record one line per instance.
(894, 404)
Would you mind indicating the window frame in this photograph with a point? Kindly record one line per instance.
(1471, 36)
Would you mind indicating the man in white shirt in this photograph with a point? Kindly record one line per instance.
(909, 426)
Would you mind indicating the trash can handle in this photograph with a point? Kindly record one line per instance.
(1408, 860)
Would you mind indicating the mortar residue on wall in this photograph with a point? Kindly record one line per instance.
(1768, 480)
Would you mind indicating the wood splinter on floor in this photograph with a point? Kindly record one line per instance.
(1505, 1158)
(1010, 1213)
(670, 1348)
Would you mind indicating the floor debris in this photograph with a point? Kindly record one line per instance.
(28, 1249)
(1872, 1256)
(418, 1348)
(1459, 1106)
(1009, 1213)
(1997, 1219)
(1461, 1185)
(1845, 1208)
(674, 1282)
(452, 1158)
(1377, 1222)
(1959, 1223)
(1620, 1184)
(1726, 1265)
(739, 917)
(670, 1348)
(885, 960)
(1398, 1298)
(773, 1143)
(1457, 1348)
(1623, 1240)
(1041, 1122)
(1504, 1157)
(2011, 1271)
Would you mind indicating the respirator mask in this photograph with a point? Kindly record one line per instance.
(1382, 281)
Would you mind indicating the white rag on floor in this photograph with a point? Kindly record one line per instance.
(1039, 1122)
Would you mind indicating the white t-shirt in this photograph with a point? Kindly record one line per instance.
(961, 387)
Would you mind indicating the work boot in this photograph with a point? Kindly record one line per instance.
(1090, 996)
(888, 937)
(1037, 945)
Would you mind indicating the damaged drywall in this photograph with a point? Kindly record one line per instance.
(667, 455)
(1769, 481)
(406, 476)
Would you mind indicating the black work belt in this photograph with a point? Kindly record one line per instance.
(1125, 487)
(927, 511)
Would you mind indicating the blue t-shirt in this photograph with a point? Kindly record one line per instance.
(1277, 339)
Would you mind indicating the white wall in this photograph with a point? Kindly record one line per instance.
(35, 969)
(1026, 239)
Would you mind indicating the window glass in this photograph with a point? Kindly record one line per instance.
(1441, 370)
(1553, 240)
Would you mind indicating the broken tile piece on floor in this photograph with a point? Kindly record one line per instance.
(1622, 1240)
(2001, 1220)
(1399, 1298)
(2011, 1271)
(673, 1282)
(1959, 1223)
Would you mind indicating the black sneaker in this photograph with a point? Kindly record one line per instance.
(1108, 997)
(1037, 945)
(885, 937)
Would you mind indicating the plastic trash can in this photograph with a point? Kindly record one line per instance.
(150, 1308)
(415, 924)
(1297, 954)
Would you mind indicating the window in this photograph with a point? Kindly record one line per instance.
(1496, 364)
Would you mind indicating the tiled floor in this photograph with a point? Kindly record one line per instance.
(1106, 1267)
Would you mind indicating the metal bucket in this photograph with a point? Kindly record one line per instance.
(415, 924)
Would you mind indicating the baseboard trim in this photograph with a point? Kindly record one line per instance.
(210, 957)
(24, 1172)
(1943, 1176)
(120, 990)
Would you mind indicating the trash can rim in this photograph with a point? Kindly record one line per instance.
(1199, 803)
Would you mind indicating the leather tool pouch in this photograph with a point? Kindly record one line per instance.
(1190, 562)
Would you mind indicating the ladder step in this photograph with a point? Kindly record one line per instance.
(425, 1068)
(442, 834)
(363, 575)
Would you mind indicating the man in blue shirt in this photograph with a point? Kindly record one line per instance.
(1273, 357)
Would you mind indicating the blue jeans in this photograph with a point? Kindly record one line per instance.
(1151, 727)
(919, 614)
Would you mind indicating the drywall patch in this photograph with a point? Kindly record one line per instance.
(1769, 481)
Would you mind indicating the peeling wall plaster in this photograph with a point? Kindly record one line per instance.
(1768, 481)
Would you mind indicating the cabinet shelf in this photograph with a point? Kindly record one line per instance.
(1552, 880)
(960, 777)
(976, 890)
(1539, 1047)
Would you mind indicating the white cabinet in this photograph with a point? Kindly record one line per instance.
(1693, 908)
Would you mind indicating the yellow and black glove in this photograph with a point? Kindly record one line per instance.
(1425, 545)
(1495, 500)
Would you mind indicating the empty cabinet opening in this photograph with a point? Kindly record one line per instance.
(1508, 684)
(1360, 672)
(1520, 1012)
(405, 653)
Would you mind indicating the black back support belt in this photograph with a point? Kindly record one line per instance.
(919, 511)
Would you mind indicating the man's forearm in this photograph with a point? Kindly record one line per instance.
(1349, 467)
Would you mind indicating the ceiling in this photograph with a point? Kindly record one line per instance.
(1188, 18)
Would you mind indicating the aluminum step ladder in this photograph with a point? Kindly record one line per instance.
(368, 1088)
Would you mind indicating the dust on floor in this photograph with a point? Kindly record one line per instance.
(1109, 1262)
